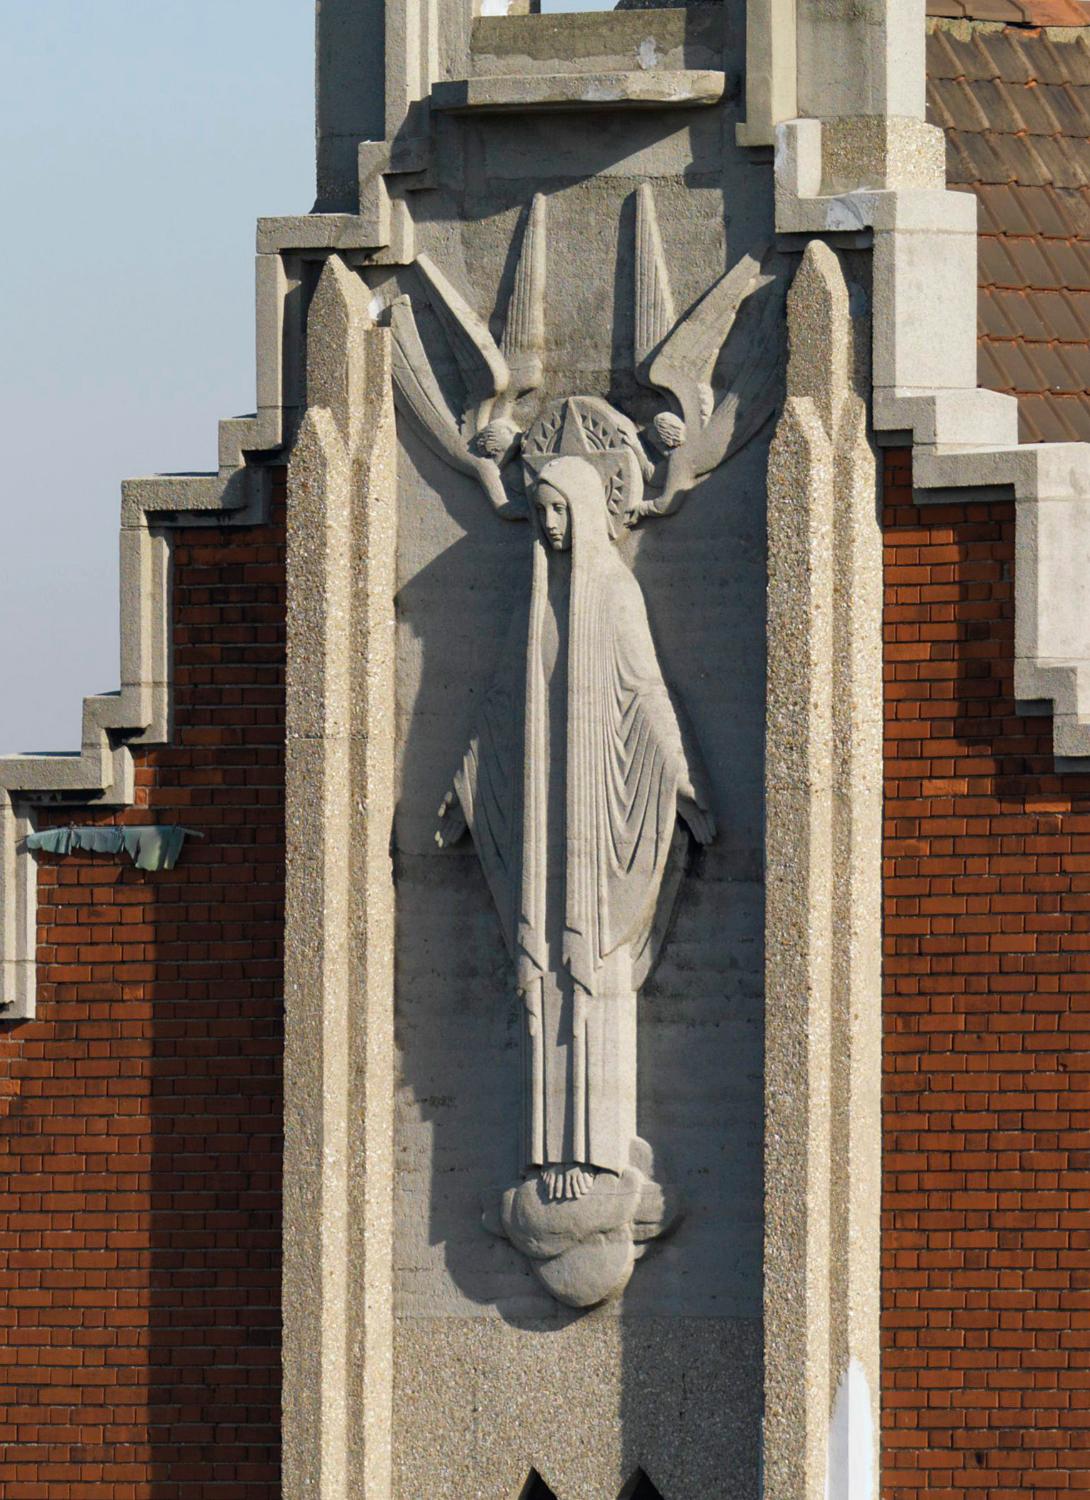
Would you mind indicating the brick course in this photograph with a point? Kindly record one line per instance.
(140, 1113)
(986, 1235)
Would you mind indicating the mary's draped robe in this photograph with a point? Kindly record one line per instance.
(570, 789)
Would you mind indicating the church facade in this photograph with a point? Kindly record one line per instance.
(563, 969)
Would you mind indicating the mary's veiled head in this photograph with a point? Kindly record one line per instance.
(569, 502)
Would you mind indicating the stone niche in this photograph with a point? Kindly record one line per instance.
(614, 272)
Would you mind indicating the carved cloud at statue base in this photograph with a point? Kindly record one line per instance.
(583, 1250)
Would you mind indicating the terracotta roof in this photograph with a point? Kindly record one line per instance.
(1015, 105)
(1014, 12)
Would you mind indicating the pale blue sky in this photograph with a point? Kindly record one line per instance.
(139, 142)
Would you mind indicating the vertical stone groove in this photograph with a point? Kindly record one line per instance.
(823, 933)
(339, 913)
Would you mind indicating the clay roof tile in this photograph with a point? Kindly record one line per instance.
(995, 267)
(1059, 62)
(1029, 111)
(1051, 12)
(1023, 311)
(1035, 210)
(1004, 55)
(1057, 374)
(1032, 265)
(1070, 260)
(943, 57)
(1071, 209)
(989, 315)
(958, 105)
(1008, 12)
(996, 158)
(1077, 308)
(1075, 359)
(1000, 210)
(1052, 315)
(1039, 160)
(1043, 419)
(1065, 107)
(1015, 107)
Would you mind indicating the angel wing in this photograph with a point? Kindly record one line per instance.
(684, 362)
(524, 331)
(482, 365)
(493, 377)
(417, 395)
(752, 395)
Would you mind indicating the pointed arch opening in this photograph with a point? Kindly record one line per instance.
(535, 1488)
(639, 1487)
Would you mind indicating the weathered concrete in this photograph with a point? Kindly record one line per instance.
(662, 88)
(599, 41)
(339, 1060)
(591, 1413)
(350, 94)
(823, 915)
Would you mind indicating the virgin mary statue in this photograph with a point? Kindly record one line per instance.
(571, 789)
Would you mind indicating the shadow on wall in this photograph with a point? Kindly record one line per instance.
(692, 1312)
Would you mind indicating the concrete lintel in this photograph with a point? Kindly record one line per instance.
(1059, 470)
(924, 211)
(654, 89)
(162, 498)
(301, 232)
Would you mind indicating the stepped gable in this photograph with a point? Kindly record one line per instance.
(1009, 82)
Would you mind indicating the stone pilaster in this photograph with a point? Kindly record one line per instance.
(823, 917)
(339, 920)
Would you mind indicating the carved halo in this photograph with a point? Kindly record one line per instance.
(588, 427)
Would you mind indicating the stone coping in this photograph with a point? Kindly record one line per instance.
(681, 88)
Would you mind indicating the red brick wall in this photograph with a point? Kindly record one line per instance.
(140, 1146)
(986, 1230)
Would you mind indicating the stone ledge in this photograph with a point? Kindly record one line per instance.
(682, 88)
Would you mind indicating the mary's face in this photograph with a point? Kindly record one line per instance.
(555, 515)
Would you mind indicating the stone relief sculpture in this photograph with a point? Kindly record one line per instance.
(582, 785)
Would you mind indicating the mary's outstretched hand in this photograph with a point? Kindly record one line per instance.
(700, 819)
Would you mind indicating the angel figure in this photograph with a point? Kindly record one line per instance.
(673, 355)
(677, 357)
